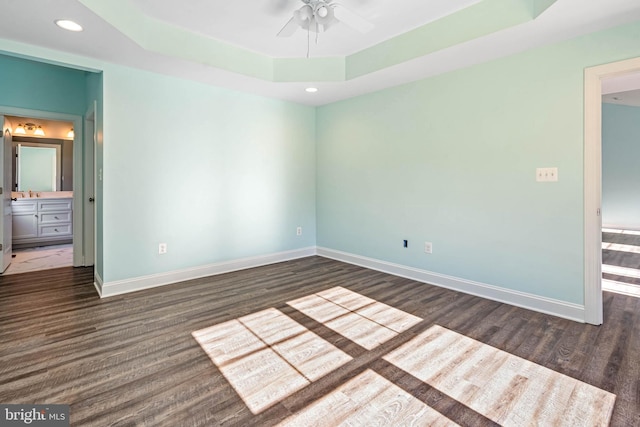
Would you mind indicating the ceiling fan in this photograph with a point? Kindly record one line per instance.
(319, 15)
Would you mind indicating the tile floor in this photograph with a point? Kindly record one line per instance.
(40, 258)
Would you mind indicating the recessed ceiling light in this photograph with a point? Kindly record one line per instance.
(312, 89)
(68, 25)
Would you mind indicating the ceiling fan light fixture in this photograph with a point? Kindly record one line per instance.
(324, 15)
(303, 16)
(322, 11)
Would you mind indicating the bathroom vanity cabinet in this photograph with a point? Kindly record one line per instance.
(40, 222)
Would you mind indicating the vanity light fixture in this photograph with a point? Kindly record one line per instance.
(70, 134)
(68, 25)
(312, 89)
(20, 130)
(31, 127)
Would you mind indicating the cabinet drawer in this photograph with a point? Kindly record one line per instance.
(24, 206)
(54, 205)
(54, 217)
(55, 230)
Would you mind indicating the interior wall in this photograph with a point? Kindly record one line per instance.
(452, 160)
(620, 166)
(215, 174)
(39, 86)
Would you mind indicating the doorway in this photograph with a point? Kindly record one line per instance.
(621, 186)
(52, 230)
(594, 81)
(41, 194)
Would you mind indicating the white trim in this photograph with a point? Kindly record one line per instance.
(97, 282)
(520, 299)
(593, 77)
(144, 282)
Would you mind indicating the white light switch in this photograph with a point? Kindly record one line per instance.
(546, 174)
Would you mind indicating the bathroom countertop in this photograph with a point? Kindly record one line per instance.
(42, 195)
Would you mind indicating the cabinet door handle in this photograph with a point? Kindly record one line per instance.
(56, 217)
(14, 199)
(55, 229)
(91, 199)
(36, 215)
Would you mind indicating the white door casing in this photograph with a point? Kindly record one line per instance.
(6, 221)
(593, 78)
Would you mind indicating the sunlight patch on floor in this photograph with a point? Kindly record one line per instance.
(619, 231)
(368, 400)
(267, 356)
(505, 388)
(362, 320)
(621, 271)
(621, 248)
(621, 288)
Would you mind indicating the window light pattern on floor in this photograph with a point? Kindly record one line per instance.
(368, 400)
(363, 320)
(505, 388)
(267, 356)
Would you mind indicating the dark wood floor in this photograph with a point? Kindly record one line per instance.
(624, 259)
(131, 360)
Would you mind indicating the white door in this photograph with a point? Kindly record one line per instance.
(6, 216)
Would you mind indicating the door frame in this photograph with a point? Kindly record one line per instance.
(593, 77)
(89, 181)
(78, 184)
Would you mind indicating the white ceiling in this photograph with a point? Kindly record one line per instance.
(249, 23)
(253, 24)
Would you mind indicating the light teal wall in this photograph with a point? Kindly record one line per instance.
(620, 170)
(38, 86)
(95, 93)
(452, 160)
(216, 174)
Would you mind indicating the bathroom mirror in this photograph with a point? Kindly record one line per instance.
(42, 164)
(38, 167)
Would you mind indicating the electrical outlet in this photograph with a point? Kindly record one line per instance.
(299, 231)
(547, 174)
(428, 247)
(162, 248)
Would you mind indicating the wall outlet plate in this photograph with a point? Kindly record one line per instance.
(428, 247)
(162, 248)
(299, 231)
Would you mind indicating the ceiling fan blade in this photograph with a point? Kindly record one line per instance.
(276, 7)
(289, 28)
(352, 19)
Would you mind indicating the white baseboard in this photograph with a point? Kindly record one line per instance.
(538, 303)
(551, 306)
(97, 282)
(118, 287)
